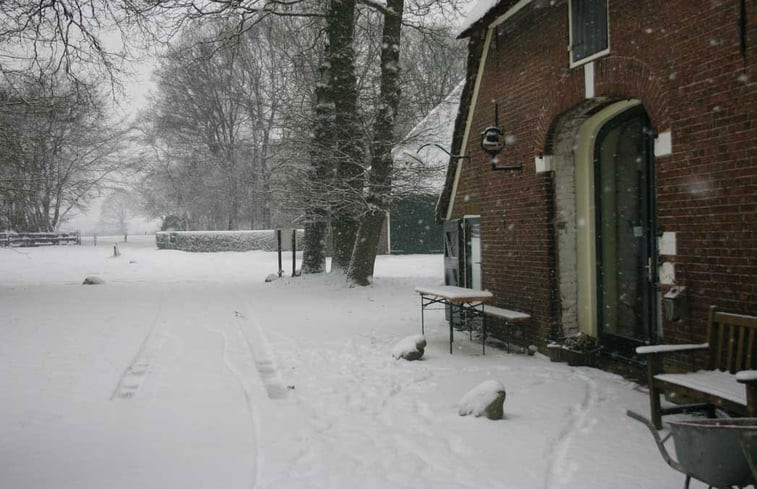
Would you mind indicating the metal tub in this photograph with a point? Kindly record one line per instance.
(717, 451)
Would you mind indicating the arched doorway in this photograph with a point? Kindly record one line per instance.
(605, 223)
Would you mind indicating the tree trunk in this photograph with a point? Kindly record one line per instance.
(360, 271)
(337, 141)
(316, 213)
(314, 254)
(348, 136)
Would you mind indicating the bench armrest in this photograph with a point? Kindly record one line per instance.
(655, 349)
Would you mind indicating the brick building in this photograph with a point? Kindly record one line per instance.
(631, 130)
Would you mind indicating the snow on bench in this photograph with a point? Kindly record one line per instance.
(507, 314)
(512, 319)
(646, 350)
(712, 382)
(729, 348)
(746, 376)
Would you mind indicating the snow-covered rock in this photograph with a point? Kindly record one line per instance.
(272, 277)
(410, 348)
(92, 280)
(486, 399)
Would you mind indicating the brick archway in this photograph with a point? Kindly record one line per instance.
(616, 78)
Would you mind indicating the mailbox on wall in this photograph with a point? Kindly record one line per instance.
(674, 302)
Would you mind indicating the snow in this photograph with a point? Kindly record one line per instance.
(408, 345)
(477, 12)
(645, 350)
(188, 370)
(453, 293)
(715, 382)
(436, 128)
(746, 375)
(475, 401)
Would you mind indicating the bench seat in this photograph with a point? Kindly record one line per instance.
(512, 319)
(710, 382)
(506, 314)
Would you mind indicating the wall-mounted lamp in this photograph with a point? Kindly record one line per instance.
(493, 141)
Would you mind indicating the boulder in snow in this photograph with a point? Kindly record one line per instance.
(92, 280)
(410, 348)
(486, 399)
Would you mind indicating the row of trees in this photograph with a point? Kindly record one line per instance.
(266, 106)
(57, 149)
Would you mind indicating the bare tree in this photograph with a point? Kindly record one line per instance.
(117, 209)
(60, 150)
(198, 109)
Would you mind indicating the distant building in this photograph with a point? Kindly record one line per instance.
(632, 127)
(419, 179)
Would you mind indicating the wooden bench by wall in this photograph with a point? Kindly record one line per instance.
(730, 348)
(511, 319)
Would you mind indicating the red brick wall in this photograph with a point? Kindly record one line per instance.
(682, 59)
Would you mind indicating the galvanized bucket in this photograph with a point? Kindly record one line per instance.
(717, 451)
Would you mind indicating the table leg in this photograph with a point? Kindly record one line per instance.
(423, 325)
(451, 322)
(483, 329)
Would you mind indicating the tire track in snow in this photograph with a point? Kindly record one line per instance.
(261, 354)
(133, 377)
(558, 468)
(238, 359)
(252, 364)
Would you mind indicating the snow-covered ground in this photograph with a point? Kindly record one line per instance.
(186, 370)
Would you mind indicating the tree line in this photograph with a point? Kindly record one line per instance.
(272, 112)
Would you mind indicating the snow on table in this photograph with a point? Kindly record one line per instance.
(455, 294)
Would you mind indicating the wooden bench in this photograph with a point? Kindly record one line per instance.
(511, 319)
(727, 383)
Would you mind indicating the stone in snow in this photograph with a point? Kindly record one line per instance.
(486, 399)
(271, 277)
(92, 280)
(410, 348)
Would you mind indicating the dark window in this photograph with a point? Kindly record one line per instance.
(588, 28)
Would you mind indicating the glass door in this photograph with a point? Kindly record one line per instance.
(473, 253)
(626, 240)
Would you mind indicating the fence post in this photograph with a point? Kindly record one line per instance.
(294, 252)
(278, 240)
(95, 238)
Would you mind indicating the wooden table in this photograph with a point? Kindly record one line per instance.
(469, 302)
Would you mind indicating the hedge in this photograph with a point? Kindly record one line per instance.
(210, 241)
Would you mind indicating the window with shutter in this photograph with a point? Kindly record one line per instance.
(588, 30)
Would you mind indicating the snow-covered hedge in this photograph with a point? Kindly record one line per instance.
(209, 241)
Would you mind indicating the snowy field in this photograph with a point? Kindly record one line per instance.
(186, 370)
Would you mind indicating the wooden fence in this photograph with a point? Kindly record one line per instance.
(39, 239)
